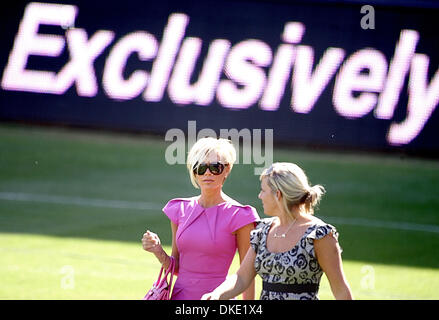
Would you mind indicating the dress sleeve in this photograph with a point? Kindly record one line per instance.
(319, 232)
(323, 230)
(172, 210)
(243, 216)
(256, 236)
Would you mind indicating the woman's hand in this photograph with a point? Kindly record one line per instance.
(151, 242)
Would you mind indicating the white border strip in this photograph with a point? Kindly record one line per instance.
(137, 205)
(79, 201)
(384, 224)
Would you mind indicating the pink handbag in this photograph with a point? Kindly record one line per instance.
(161, 289)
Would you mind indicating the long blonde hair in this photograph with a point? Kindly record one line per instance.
(292, 182)
(205, 146)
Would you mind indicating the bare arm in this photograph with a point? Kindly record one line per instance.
(237, 283)
(243, 240)
(329, 257)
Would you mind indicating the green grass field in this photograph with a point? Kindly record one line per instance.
(74, 206)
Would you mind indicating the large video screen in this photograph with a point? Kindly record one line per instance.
(318, 74)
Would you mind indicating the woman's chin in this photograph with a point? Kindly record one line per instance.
(209, 185)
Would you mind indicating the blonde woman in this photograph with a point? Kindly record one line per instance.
(206, 229)
(291, 250)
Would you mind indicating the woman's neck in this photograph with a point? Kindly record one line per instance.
(286, 219)
(210, 198)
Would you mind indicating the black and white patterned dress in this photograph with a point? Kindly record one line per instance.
(296, 266)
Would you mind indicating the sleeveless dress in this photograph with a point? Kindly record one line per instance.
(205, 243)
(296, 266)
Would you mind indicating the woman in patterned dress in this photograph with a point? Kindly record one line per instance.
(292, 249)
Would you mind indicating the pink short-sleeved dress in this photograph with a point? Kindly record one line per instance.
(205, 242)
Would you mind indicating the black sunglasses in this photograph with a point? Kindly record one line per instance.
(215, 168)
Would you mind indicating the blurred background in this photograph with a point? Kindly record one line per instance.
(98, 99)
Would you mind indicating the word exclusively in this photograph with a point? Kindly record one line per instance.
(356, 93)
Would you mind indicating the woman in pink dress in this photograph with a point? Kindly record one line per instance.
(206, 229)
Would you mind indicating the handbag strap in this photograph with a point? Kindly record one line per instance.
(171, 283)
(170, 269)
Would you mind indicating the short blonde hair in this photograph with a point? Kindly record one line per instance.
(293, 183)
(203, 148)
